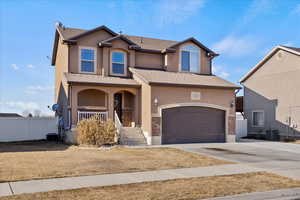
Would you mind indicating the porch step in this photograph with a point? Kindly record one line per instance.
(132, 136)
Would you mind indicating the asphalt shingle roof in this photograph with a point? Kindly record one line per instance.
(143, 42)
(293, 48)
(180, 78)
(101, 80)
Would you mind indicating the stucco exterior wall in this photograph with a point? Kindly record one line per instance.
(274, 88)
(109, 95)
(170, 95)
(134, 58)
(222, 98)
(61, 67)
(145, 108)
(61, 87)
(152, 60)
(92, 41)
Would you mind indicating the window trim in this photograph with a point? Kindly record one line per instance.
(263, 113)
(181, 49)
(125, 63)
(95, 59)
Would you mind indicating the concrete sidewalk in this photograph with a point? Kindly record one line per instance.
(285, 194)
(45, 185)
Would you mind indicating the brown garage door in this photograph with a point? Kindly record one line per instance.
(192, 124)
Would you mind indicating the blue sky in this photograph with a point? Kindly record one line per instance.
(242, 31)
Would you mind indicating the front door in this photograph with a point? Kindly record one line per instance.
(118, 105)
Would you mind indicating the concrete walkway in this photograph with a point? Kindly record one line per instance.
(285, 194)
(45, 185)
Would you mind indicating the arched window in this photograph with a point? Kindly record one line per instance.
(190, 59)
(118, 63)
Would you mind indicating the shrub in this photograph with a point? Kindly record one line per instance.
(92, 131)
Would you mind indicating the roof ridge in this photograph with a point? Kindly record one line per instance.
(150, 38)
(76, 28)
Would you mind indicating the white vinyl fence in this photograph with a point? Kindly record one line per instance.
(22, 129)
(241, 128)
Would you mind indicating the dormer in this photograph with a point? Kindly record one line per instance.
(189, 56)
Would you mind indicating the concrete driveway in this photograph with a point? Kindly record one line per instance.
(276, 157)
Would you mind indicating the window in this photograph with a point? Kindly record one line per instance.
(87, 60)
(118, 62)
(258, 118)
(190, 59)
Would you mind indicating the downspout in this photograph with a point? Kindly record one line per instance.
(237, 91)
(69, 92)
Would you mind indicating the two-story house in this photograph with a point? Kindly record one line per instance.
(271, 93)
(164, 87)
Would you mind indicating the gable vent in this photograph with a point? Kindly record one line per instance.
(280, 55)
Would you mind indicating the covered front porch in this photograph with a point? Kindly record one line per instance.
(105, 103)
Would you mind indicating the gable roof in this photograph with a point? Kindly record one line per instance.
(122, 37)
(70, 35)
(159, 77)
(292, 50)
(81, 33)
(191, 39)
(151, 43)
(99, 80)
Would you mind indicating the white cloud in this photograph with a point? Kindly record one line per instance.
(220, 71)
(296, 10)
(15, 67)
(20, 105)
(38, 88)
(30, 66)
(176, 11)
(24, 108)
(256, 8)
(289, 44)
(235, 47)
(224, 74)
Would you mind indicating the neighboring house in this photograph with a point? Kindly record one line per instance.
(271, 92)
(165, 87)
(10, 115)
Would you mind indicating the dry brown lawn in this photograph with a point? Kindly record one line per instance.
(297, 142)
(193, 188)
(26, 161)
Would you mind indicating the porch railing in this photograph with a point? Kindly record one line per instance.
(102, 116)
(118, 123)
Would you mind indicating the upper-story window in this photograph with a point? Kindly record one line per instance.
(190, 59)
(118, 63)
(258, 118)
(87, 60)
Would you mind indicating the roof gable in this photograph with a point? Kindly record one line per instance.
(108, 41)
(151, 45)
(81, 33)
(196, 42)
(292, 50)
(160, 77)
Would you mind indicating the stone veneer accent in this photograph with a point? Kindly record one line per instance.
(156, 126)
(231, 125)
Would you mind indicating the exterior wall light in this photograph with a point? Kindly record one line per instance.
(155, 102)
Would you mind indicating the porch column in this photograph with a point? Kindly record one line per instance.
(111, 105)
(136, 108)
(74, 108)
